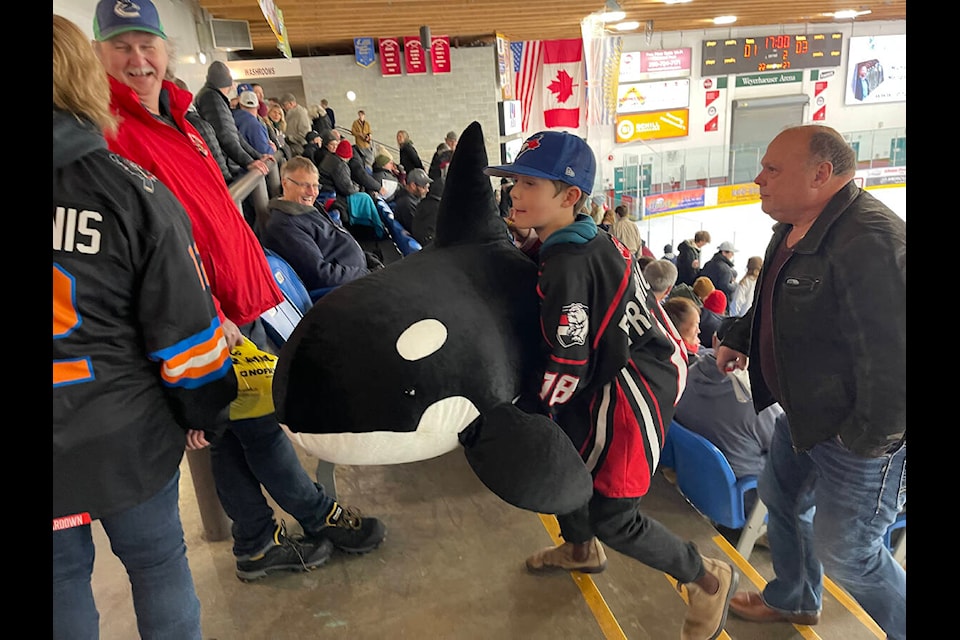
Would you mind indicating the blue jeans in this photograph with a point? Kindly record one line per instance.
(148, 539)
(257, 452)
(830, 506)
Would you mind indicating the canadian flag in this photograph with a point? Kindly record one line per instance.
(563, 86)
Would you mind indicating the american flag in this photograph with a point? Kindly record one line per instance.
(526, 70)
(610, 65)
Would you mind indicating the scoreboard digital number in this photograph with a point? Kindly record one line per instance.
(770, 53)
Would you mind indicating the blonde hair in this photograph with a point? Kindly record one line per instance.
(282, 125)
(80, 84)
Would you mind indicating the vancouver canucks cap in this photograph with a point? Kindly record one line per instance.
(119, 16)
(554, 155)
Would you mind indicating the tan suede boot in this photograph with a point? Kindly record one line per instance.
(586, 557)
(707, 613)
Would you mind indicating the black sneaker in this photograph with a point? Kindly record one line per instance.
(349, 531)
(286, 554)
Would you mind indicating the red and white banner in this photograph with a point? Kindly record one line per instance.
(819, 100)
(414, 56)
(390, 57)
(563, 85)
(440, 54)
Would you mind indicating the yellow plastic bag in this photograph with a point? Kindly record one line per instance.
(254, 369)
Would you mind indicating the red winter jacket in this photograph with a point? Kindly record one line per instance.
(231, 254)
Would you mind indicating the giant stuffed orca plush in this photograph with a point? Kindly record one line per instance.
(429, 354)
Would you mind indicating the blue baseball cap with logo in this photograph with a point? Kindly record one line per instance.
(554, 155)
(114, 17)
(244, 87)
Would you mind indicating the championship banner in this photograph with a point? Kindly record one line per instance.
(440, 54)
(363, 51)
(414, 55)
(390, 57)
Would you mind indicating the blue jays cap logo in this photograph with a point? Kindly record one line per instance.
(531, 143)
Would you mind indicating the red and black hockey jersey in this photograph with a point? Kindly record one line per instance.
(615, 364)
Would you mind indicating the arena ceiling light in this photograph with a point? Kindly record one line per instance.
(848, 14)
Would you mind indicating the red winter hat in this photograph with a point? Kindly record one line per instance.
(716, 301)
(345, 149)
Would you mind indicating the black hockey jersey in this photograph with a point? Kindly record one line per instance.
(138, 351)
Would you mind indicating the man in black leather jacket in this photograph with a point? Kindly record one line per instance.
(826, 337)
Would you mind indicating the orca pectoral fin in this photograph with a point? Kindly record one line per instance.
(526, 460)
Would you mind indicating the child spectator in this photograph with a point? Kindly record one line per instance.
(613, 374)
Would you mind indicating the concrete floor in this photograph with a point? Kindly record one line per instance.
(452, 567)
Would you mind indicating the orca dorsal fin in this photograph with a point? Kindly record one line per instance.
(468, 210)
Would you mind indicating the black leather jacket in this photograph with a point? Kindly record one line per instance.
(839, 327)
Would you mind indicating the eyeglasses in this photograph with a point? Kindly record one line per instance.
(312, 186)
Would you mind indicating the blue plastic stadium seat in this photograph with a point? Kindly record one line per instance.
(289, 282)
(705, 478)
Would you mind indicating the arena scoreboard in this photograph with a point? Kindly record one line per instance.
(770, 53)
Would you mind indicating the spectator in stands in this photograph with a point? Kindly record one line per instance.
(702, 287)
(322, 253)
(685, 315)
(720, 269)
(645, 250)
(661, 276)
(206, 132)
(625, 230)
(827, 338)
(743, 294)
(156, 367)
(257, 88)
(328, 143)
(688, 257)
(277, 129)
(442, 156)
(409, 157)
(719, 407)
(319, 119)
(668, 254)
(714, 310)
(389, 174)
(363, 135)
(425, 220)
(406, 201)
(331, 116)
(356, 206)
(250, 126)
(643, 261)
(609, 217)
(154, 133)
(298, 123)
(311, 150)
(363, 177)
(214, 107)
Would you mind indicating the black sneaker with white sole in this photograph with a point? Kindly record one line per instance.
(286, 553)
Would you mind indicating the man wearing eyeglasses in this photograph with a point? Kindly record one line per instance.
(322, 253)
